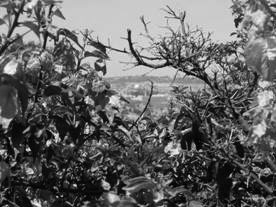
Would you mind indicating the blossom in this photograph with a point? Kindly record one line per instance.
(265, 98)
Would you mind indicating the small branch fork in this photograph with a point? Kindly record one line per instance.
(138, 58)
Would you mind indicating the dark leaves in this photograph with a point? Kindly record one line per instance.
(97, 54)
(16, 132)
(100, 66)
(8, 101)
(52, 90)
(22, 90)
(67, 33)
(224, 181)
(2, 21)
(59, 14)
(98, 45)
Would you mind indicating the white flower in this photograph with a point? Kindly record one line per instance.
(265, 98)
(264, 84)
(260, 129)
(173, 148)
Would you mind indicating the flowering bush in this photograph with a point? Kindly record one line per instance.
(66, 139)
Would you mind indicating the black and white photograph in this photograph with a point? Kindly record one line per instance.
(138, 103)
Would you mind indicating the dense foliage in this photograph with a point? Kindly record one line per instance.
(67, 140)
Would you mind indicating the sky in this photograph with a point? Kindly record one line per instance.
(110, 19)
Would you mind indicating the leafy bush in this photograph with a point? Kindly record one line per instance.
(67, 141)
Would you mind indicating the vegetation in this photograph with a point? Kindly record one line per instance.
(66, 140)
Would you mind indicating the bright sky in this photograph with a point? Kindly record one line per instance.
(111, 18)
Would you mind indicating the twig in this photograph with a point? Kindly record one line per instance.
(138, 57)
(255, 177)
(46, 34)
(145, 108)
(146, 28)
(10, 202)
(14, 25)
(271, 164)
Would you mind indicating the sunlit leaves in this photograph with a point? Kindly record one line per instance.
(260, 55)
(12, 67)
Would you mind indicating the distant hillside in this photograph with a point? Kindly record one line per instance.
(155, 79)
(162, 84)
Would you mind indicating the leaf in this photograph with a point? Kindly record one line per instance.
(17, 129)
(21, 198)
(33, 27)
(22, 90)
(2, 21)
(97, 54)
(52, 90)
(58, 13)
(45, 194)
(100, 66)
(4, 171)
(110, 92)
(139, 186)
(62, 126)
(8, 101)
(4, 3)
(195, 204)
(103, 115)
(34, 144)
(98, 46)
(11, 67)
(133, 181)
(110, 198)
(180, 189)
(136, 184)
(4, 61)
(101, 100)
(23, 95)
(58, 68)
(50, 2)
(69, 34)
